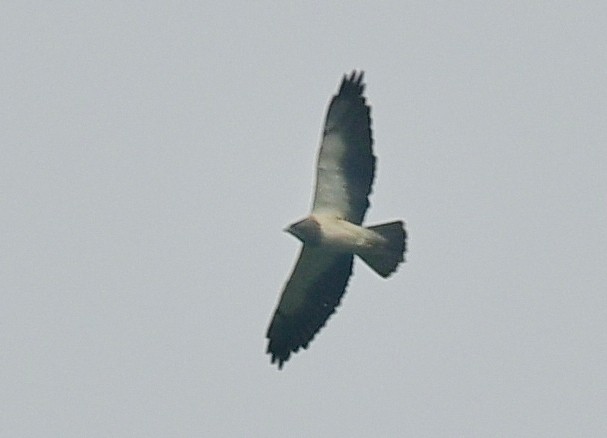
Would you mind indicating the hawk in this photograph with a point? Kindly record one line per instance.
(333, 233)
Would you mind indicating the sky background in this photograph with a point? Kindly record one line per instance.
(152, 152)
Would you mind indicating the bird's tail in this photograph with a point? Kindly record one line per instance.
(384, 257)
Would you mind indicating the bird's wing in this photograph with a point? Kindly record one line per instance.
(309, 298)
(346, 162)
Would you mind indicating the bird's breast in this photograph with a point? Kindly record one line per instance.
(342, 236)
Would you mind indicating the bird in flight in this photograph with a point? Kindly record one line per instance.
(333, 233)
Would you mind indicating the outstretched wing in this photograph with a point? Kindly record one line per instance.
(309, 298)
(346, 162)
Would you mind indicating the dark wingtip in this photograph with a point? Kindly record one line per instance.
(356, 76)
(353, 84)
(277, 357)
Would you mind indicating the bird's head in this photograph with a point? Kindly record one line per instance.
(306, 230)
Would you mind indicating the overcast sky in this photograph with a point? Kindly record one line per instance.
(152, 153)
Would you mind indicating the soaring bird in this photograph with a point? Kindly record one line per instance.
(333, 233)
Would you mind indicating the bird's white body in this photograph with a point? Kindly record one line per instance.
(343, 236)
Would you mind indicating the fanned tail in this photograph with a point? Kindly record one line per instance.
(385, 257)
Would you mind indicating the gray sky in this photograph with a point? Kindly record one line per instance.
(152, 152)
